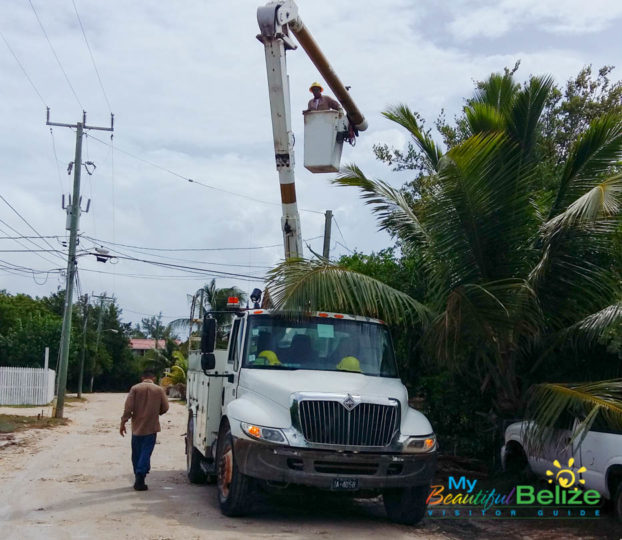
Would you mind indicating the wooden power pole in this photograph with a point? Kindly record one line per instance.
(74, 214)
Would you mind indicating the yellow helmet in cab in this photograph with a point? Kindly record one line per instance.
(349, 363)
(315, 85)
(267, 358)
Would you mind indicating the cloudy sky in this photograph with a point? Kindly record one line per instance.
(186, 82)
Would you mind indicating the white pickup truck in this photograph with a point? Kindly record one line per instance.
(312, 400)
(600, 453)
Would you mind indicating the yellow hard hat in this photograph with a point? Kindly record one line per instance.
(349, 363)
(269, 358)
(313, 85)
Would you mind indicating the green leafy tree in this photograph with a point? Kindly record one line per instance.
(506, 285)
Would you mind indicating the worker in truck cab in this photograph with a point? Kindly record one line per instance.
(320, 102)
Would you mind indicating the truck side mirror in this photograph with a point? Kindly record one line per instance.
(208, 335)
(208, 362)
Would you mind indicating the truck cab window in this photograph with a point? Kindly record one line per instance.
(233, 341)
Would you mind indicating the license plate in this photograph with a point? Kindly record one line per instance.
(348, 484)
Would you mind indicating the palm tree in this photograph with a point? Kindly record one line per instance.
(209, 299)
(506, 283)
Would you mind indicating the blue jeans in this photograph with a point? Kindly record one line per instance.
(142, 447)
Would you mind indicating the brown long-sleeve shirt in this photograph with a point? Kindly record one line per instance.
(144, 404)
(324, 103)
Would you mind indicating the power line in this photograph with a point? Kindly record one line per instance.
(101, 84)
(199, 183)
(206, 271)
(96, 240)
(25, 237)
(23, 70)
(26, 222)
(24, 245)
(187, 260)
(55, 55)
(341, 234)
(60, 181)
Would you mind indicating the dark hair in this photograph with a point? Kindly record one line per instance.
(148, 374)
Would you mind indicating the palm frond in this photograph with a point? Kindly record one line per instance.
(402, 115)
(498, 91)
(593, 326)
(526, 110)
(390, 205)
(480, 199)
(603, 200)
(549, 403)
(484, 118)
(489, 316)
(303, 285)
(593, 155)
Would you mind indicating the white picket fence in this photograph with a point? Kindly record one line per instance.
(26, 386)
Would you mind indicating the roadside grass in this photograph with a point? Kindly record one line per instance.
(10, 423)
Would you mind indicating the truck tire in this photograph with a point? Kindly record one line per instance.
(193, 457)
(406, 505)
(234, 488)
(617, 502)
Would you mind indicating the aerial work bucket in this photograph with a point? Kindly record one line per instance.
(322, 144)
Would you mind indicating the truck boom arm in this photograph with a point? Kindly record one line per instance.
(275, 20)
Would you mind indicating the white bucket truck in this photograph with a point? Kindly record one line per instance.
(310, 400)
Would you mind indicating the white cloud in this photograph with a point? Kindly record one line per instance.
(187, 84)
(493, 19)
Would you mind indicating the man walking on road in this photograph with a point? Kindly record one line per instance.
(144, 404)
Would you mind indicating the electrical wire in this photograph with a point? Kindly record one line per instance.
(101, 84)
(60, 180)
(26, 221)
(54, 53)
(24, 245)
(206, 271)
(183, 260)
(99, 241)
(341, 234)
(23, 69)
(199, 183)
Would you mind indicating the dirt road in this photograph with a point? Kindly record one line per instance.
(75, 482)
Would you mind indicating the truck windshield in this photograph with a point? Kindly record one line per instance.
(319, 344)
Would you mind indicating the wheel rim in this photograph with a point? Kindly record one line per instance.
(225, 472)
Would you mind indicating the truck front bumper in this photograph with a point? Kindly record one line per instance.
(318, 468)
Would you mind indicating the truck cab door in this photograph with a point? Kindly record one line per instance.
(234, 359)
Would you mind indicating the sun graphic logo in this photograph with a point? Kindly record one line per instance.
(566, 477)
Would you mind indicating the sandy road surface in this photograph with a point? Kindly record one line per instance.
(75, 482)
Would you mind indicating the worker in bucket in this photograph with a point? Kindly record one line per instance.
(144, 404)
(320, 102)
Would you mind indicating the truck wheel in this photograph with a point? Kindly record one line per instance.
(233, 487)
(617, 502)
(193, 457)
(406, 505)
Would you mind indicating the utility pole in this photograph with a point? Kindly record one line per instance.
(102, 301)
(74, 213)
(328, 220)
(86, 318)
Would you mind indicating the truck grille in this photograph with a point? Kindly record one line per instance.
(329, 422)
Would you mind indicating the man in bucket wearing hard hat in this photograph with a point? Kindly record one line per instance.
(320, 102)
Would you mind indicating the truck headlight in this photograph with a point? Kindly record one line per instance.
(420, 445)
(261, 433)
